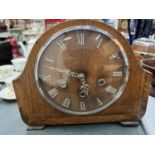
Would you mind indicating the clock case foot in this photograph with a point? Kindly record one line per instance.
(130, 123)
(29, 128)
(126, 124)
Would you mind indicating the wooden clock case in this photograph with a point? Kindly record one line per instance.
(130, 107)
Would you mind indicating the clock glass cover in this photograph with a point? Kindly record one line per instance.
(81, 70)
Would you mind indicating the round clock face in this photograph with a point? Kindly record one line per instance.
(81, 70)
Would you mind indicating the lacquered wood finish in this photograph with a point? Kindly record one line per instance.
(130, 106)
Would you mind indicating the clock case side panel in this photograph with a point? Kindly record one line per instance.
(145, 91)
(36, 111)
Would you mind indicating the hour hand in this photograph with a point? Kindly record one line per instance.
(84, 90)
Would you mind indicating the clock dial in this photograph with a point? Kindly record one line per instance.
(81, 70)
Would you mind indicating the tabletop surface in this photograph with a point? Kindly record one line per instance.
(12, 124)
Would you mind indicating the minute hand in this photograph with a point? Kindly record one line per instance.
(66, 71)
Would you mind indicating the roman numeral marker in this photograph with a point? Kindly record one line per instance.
(99, 40)
(114, 56)
(80, 38)
(61, 44)
(52, 61)
(99, 102)
(98, 37)
(53, 92)
(119, 73)
(66, 103)
(111, 89)
(82, 106)
(47, 78)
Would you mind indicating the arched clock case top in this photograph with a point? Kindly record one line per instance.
(127, 104)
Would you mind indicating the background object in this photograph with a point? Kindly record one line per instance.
(149, 64)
